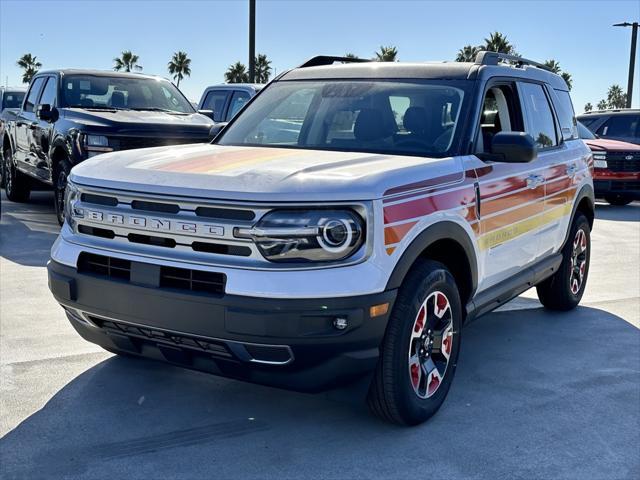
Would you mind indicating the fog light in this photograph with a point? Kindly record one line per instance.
(340, 323)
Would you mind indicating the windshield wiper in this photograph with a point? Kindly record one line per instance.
(98, 107)
(157, 109)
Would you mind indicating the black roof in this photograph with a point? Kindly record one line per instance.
(435, 70)
(99, 73)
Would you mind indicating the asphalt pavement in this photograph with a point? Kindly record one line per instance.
(536, 394)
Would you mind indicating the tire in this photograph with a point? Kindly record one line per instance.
(60, 175)
(619, 200)
(401, 390)
(17, 185)
(564, 289)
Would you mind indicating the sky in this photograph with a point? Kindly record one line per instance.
(90, 33)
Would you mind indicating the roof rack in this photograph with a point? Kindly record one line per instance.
(493, 58)
(320, 60)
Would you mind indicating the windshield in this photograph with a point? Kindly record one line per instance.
(397, 117)
(98, 91)
(585, 133)
(12, 99)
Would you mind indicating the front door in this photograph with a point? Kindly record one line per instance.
(43, 132)
(25, 124)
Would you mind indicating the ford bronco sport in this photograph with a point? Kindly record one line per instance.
(347, 222)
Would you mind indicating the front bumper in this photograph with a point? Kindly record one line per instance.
(626, 184)
(289, 343)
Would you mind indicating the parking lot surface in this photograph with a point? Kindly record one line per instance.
(536, 394)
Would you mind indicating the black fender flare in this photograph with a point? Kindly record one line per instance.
(586, 191)
(445, 230)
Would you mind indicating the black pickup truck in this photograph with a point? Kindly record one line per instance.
(68, 116)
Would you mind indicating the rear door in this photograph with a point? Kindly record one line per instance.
(556, 161)
(25, 124)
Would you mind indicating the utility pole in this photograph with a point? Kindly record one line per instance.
(632, 59)
(252, 41)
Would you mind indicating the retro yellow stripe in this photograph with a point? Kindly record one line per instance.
(224, 167)
(502, 235)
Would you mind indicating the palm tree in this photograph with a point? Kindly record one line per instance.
(30, 64)
(350, 55)
(602, 105)
(497, 42)
(467, 53)
(236, 73)
(127, 62)
(553, 66)
(180, 66)
(263, 68)
(566, 76)
(588, 107)
(386, 54)
(616, 98)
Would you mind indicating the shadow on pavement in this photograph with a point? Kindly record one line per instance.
(536, 395)
(627, 213)
(28, 229)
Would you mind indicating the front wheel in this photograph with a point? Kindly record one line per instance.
(564, 289)
(60, 185)
(619, 200)
(420, 349)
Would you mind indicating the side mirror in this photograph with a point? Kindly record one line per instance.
(45, 113)
(207, 113)
(513, 147)
(216, 129)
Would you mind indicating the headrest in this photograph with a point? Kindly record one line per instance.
(415, 120)
(370, 125)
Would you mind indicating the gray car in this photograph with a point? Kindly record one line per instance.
(225, 100)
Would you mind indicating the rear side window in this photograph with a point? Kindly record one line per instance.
(620, 126)
(34, 91)
(12, 99)
(216, 101)
(566, 115)
(539, 119)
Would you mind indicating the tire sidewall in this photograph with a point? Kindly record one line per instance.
(580, 222)
(441, 280)
(8, 171)
(62, 167)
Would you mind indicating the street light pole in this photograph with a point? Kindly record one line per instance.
(252, 41)
(632, 59)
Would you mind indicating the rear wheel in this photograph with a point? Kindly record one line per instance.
(16, 184)
(60, 178)
(618, 199)
(420, 349)
(564, 290)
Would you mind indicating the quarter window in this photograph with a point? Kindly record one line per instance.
(540, 123)
(32, 98)
(566, 115)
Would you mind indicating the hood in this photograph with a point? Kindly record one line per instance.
(133, 122)
(601, 144)
(259, 173)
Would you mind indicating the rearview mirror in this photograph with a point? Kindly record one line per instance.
(513, 147)
(207, 113)
(45, 113)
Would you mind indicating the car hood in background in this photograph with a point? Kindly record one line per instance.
(260, 173)
(601, 144)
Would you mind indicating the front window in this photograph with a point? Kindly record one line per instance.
(117, 92)
(395, 117)
(12, 100)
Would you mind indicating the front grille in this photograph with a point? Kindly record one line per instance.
(617, 161)
(129, 143)
(170, 277)
(193, 280)
(159, 336)
(104, 266)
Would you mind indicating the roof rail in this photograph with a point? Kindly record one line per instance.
(485, 57)
(320, 60)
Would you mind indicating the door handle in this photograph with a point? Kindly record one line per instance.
(571, 170)
(533, 181)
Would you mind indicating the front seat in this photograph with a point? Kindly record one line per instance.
(117, 100)
(370, 126)
(415, 120)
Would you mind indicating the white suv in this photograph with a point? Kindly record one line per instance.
(347, 222)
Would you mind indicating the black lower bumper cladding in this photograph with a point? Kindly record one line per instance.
(289, 343)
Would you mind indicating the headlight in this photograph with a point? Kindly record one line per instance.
(600, 160)
(71, 196)
(96, 144)
(307, 235)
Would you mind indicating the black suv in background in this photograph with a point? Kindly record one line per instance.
(10, 101)
(68, 116)
(622, 124)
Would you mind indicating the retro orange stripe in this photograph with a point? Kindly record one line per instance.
(396, 233)
(226, 159)
(496, 205)
(513, 216)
